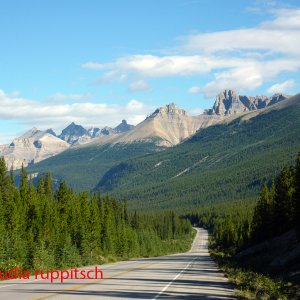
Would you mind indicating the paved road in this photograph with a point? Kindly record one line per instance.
(191, 275)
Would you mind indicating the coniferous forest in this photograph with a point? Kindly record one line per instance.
(43, 229)
(250, 241)
(237, 225)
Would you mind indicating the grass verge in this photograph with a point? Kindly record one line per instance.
(250, 284)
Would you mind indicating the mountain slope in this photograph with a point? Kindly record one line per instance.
(82, 165)
(33, 146)
(224, 162)
(168, 126)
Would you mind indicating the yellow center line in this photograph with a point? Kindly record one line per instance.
(77, 287)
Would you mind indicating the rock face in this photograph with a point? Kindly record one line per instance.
(50, 130)
(229, 103)
(123, 127)
(77, 135)
(74, 134)
(167, 125)
(33, 146)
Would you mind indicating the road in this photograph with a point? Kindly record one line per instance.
(191, 275)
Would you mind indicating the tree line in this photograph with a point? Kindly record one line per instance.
(43, 228)
(238, 225)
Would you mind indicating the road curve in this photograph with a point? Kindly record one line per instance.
(191, 275)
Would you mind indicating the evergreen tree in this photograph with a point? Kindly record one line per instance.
(43, 229)
(297, 196)
(262, 217)
(283, 201)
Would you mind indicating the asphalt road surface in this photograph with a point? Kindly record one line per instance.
(191, 275)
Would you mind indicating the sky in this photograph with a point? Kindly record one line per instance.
(98, 62)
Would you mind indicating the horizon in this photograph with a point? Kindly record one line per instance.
(99, 63)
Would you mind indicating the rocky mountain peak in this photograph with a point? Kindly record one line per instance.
(169, 109)
(72, 133)
(228, 102)
(31, 132)
(228, 95)
(50, 131)
(123, 127)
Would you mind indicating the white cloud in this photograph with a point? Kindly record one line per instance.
(92, 66)
(156, 66)
(58, 115)
(280, 35)
(139, 85)
(75, 97)
(243, 58)
(240, 78)
(281, 87)
(194, 90)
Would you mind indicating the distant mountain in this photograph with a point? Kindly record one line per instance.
(105, 131)
(77, 135)
(74, 133)
(33, 146)
(97, 132)
(229, 103)
(93, 131)
(167, 126)
(50, 130)
(123, 127)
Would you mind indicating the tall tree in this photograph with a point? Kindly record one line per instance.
(297, 196)
(283, 201)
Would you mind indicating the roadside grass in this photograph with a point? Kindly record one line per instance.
(249, 284)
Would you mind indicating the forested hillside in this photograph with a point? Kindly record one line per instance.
(43, 229)
(227, 162)
(264, 240)
(81, 167)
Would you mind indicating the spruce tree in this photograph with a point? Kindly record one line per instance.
(283, 201)
(297, 197)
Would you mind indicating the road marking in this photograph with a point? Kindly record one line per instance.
(182, 271)
(77, 287)
(168, 285)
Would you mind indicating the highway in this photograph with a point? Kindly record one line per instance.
(190, 275)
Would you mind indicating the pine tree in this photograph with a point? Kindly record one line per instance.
(283, 201)
(297, 197)
(262, 217)
(24, 183)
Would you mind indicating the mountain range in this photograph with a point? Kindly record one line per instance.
(165, 159)
(36, 145)
(228, 161)
(167, 126)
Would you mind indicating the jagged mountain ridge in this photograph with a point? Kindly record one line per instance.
(101, 155)
(168, 126)
(73, 133)
(229, 103)
(36, 145)
(77, 135)
(165, 127)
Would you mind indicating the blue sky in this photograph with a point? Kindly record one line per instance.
(97, 62)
